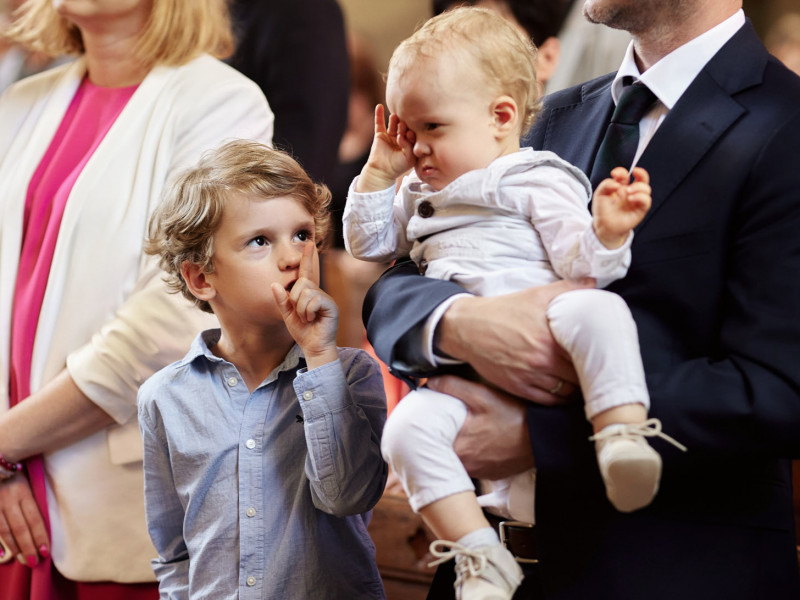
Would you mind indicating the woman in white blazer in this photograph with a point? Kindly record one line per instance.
(106, 321)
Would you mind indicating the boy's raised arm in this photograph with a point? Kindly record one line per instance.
(344, 410)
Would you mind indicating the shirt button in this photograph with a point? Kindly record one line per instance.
(250, 444)
(308, 395)
(251, 512)
(251, 581)
(232, 381)
(425, 209)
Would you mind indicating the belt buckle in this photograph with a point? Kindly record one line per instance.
(505, 536)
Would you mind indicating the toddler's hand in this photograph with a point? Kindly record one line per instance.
(618, 205)
(311, 315)
(391, 154)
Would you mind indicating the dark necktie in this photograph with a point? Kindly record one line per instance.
(619, 145)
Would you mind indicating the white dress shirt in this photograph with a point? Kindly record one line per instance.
(669, 78)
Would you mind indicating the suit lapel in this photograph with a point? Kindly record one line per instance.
(688, 132)
(574, 130)
(703, 114)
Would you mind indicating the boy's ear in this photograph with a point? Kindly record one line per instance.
(506, 115)
(197, 282)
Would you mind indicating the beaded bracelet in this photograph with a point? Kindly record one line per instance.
(8, 469)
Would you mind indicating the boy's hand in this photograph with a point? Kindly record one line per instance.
(391, 154)
(311, 316)
(618, 205)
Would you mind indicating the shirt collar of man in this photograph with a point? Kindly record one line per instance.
(669, 78)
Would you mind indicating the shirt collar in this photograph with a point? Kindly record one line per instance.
(669, 78)
(208, 338)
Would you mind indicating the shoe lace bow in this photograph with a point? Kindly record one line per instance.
(649, 428)
(469, 561)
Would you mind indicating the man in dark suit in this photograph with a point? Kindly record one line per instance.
(714, 287)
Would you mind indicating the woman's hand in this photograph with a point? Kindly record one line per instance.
(22, 527)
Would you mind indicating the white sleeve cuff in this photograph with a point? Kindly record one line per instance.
(429, 329)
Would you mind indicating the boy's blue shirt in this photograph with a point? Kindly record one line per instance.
(242, 490)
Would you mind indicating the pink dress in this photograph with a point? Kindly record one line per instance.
(90, 115)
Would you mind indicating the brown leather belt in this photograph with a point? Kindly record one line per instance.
(518, 537)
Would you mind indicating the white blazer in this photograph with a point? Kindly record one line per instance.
(106, 313)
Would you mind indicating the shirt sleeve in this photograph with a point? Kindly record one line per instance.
(163, 509)
(344, 410)
(375, 225)
(557, 203)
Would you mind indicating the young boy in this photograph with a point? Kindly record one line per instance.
(495, 218)
(262, 446)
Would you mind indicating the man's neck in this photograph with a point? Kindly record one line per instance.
(659, 40)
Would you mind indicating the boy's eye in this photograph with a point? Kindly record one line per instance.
(304, 236)
(258, 241)
(431, 126)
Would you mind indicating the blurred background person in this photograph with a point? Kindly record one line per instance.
(783, 40)
(15, 61)
(296, 51)
(346, 278)
(588, 50)
(541, 20)
(85, 151)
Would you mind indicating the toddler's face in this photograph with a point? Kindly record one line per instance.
(258, 242)
(450, 110)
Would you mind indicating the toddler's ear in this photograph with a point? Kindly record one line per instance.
(197, 282)
(505, 114)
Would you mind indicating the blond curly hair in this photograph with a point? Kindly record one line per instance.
(182, 227)
(505, 56)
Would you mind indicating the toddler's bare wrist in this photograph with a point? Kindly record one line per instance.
(371, 181)
(610, 241)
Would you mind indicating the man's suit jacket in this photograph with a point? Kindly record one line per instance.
(714, 287)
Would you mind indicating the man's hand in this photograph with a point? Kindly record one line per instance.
(493, 442)
(21, 524)
(391, 154)
(507, 340)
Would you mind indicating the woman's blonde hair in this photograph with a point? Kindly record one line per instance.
(176, 31)
(182, 227)
(505, 56)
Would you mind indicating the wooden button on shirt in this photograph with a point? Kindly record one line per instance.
(425, 209)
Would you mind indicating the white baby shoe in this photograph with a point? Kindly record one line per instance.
(488, 573)
(630, 467)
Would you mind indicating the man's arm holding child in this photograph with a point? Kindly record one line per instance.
(342, 398)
